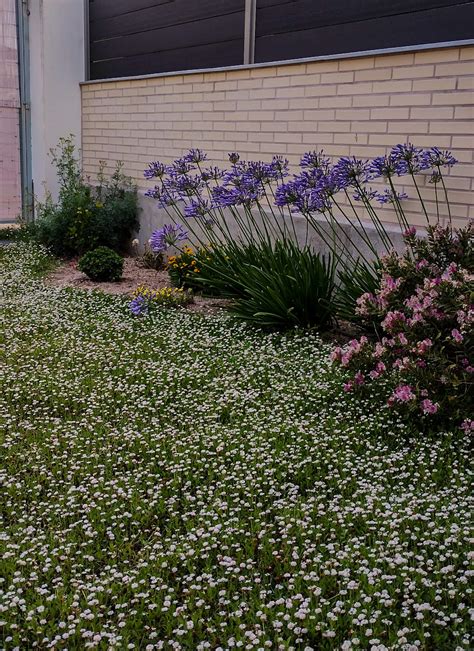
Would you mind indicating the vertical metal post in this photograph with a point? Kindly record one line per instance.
(27, 197)
(249, 31)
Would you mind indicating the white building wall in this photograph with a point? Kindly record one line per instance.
(57, 65)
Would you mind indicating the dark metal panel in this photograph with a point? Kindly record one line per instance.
(202, 32)
(201, 56)
(110, 8)
(160, 15)
(428, 26)
(294, 15)
(136, 37)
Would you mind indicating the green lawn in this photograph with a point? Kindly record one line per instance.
(185, 482)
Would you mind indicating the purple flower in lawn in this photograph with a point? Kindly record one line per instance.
(138, 306)
(155, 170)
(169, 235)
(195, 156)
(409, 159)
(457, 336)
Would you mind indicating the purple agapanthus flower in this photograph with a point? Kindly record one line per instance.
(436, 157)
(195, 156)
(180, 166)
(184, 185)
(385, 166)
(225, 197)
(155, 170)
(315, 159)
(197, 209)
(301, 196)
(170, 235)
(212, 174)
(409, 159)
(387, 196)
(164, 196)
(138, 306)
(351, 171)
(365, 194)
(280, 165)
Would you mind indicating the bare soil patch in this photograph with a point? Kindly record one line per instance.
(134, 275)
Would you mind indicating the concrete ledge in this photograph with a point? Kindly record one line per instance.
(151, 218)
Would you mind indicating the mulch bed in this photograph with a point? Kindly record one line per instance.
(134, 275)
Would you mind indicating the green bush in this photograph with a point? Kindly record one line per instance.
(102, 264)
(86, 217)
(275, 285)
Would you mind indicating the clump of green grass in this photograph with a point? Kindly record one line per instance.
(187, 482)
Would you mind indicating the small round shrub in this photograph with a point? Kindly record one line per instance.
(102, 264)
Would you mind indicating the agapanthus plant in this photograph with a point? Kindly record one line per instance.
(256, 202)
(262, 201)
(424, 355)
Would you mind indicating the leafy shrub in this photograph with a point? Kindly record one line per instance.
(86, 217)
(425, 307)
(102, 264)
(145, 299)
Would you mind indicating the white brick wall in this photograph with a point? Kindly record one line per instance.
(359, 106)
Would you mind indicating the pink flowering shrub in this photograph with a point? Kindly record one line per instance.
(423, 357)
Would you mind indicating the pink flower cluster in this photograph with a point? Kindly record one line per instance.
(423, 306)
